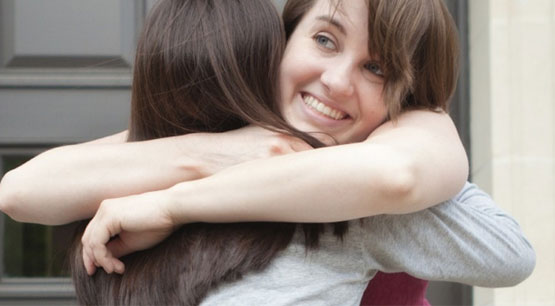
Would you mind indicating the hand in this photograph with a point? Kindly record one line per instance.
(245, 144)
(136, 222)
(257, 142)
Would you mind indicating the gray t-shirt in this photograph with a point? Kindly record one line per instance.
(467, 239)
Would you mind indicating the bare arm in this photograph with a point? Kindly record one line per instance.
(68, 183)
(120, 137)
(380, 175)
(393, 166)
(401, 168)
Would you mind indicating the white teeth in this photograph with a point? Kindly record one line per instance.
(323, 109)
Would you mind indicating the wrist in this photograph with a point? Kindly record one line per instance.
(197, 201)
(176, 201)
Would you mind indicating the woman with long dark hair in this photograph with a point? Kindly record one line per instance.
(201, 66)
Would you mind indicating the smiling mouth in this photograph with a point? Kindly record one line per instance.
(323, 109)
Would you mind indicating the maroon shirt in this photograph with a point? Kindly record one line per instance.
(395, 289)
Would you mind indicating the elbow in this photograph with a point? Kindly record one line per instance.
(10, 196)
(521, 267)
(405, 183)
(520, 261)
(511, 269)
(405, 187)
(401, 185)
(13, 197)
(15, 201)
(528, 263)
(408, 184)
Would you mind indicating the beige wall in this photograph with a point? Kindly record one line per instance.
(512, 50)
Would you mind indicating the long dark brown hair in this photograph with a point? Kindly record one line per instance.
(201, 66)
(211, 66)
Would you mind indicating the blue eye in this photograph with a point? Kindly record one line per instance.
(324, 41)
(374, 68)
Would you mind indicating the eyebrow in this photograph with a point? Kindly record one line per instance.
(332, 21)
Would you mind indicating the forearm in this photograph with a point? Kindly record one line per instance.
(434, 154)
(401, 168)
(312, 186)
(68, 183)
(239, 198)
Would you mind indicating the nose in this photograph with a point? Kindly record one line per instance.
(337, 79)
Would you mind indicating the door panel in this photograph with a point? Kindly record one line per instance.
(66, 33)
(66, 68)
(54, 116)
(65, 77)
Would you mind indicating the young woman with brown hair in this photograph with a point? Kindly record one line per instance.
(348, 174)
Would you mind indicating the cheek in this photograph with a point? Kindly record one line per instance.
(299, 65)
(291, 71)
(282, 82)
(374, 110)
(287, 87)
(286, 90)
(285, 74)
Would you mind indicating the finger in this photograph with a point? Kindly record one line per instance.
(103, 258)
(119, 267)
(88, 262)
(94, 240)
(107, 260)
(89, 265)
(118, 248)
(298, 145)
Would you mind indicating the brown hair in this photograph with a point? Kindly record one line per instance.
(208, 66)
(417, 44)
(201, 66)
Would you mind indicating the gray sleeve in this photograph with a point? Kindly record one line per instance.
(467, 239)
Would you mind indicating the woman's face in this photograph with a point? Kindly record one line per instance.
(329, 81)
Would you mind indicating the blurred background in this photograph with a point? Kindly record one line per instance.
(65, 76)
